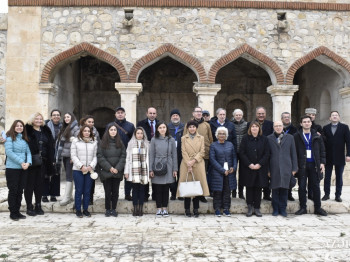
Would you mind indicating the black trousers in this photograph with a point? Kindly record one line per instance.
(52, 185)
(223, 198)
(161, 194)
(138, 193)
(111, 187)
(313, 181)
(195, 201)
(35, 184)
(253, 196)
(16, 180)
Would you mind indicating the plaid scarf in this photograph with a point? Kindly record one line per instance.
(139, 164)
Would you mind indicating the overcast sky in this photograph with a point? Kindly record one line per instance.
(3, 6)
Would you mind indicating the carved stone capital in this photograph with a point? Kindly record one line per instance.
(282, 90)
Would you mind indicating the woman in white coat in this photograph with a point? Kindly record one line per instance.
(83, 154)
(136, 168)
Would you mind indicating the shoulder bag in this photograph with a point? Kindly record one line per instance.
(160, 168)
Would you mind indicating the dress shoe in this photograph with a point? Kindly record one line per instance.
(39, 210)
(283, 213)
(31, 212)
(20, 216)
(250, 211)
(86, 213)
(128, 197)
(108, 213)
(14, 217)
(291, 198)
(181, 198)
(257, 212)
(325, 197)
(173, 197)
(268, 198)
(301, 211)
(195, 213)
(79, 214)
(321, 212)
(338, 199)
(275, 213)
(187, 213)
(114, 213)
(53, 199)
(45, 199)
(203, 199)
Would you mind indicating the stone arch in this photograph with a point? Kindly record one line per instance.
(161, 52)
(235, 104)
(251, 55)
(325, 104)
(325, 56)
(53, 65)
(103, 116)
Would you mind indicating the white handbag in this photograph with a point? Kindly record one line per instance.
(190, 188)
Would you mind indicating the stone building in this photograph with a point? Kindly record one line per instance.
(94, 55)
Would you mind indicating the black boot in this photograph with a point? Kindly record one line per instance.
(30, 211)
(38, 209)
(195, 213)
(135, 211)
(234, 193)
(140, 210)
(187, 212)
(250, 211)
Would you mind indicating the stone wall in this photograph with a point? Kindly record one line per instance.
(3, 45)
(205, 33)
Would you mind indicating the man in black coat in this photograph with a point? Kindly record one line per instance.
(288, 128)
(149, 125)
(337, 136)
(267, 129)
(176, 130)
(125, 131)
(311, 160)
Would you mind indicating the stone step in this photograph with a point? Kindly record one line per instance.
(2, 182)
(2, 173)
(238, 206)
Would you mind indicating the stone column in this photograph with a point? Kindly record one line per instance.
(345, 95)
(206, 94)
(47, 92)
(282, 96)
(128, 98)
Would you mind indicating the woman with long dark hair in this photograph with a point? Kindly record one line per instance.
(63, 144)
(18, 159)
(83, 154)
(42, 148)
(137, 168)
(162, 152)
(111, 159)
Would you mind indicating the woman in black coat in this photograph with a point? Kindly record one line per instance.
(42, 148)
(111, 156)
(254, 155)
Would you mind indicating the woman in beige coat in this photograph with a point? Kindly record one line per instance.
(193, 151)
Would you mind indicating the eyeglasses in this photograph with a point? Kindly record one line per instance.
(56, 115)
(198, 111)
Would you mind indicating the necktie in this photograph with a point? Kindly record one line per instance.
(152, 129)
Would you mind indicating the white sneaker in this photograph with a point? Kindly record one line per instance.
(165, 213)
(159, 213)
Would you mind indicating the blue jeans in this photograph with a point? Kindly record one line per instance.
(339, 169)
(279, 199)
(82, 188)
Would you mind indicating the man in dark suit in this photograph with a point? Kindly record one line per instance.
(149, 124)
(337, 136)
(267, 129)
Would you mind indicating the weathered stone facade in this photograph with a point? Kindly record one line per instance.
(3, 43)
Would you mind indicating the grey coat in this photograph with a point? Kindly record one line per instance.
(157, 151)
(283, 160)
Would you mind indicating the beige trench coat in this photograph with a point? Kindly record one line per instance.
(193, 149)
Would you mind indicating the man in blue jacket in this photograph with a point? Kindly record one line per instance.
(337, 136)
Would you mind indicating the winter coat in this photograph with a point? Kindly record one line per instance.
(205, 131)
(177, 137)
(111, 157)
(318, 151)
(17, 152)
(127, 126)
(230, 127)
(157, 152)
(94, 131)
(254, 150)
(219, 154)
(146, 126)
(128, 161)
(290, 130)
(267, 127)
(63, 145)
(335, 144)
(241, 130)
(283, 161)
(48, 148)
(50, 125)
(83, 153)
(193, 149)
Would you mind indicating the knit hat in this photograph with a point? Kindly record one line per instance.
(175, 111)
(206, 112)
(310, 111)
(192, 123)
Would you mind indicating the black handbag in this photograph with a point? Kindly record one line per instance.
(161, 167)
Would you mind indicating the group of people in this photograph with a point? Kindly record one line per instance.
(268, 155)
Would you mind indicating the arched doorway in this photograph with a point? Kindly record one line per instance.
(167, 84)
(235, 104)
(247, 81)
(86, 85)
(318, 88)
